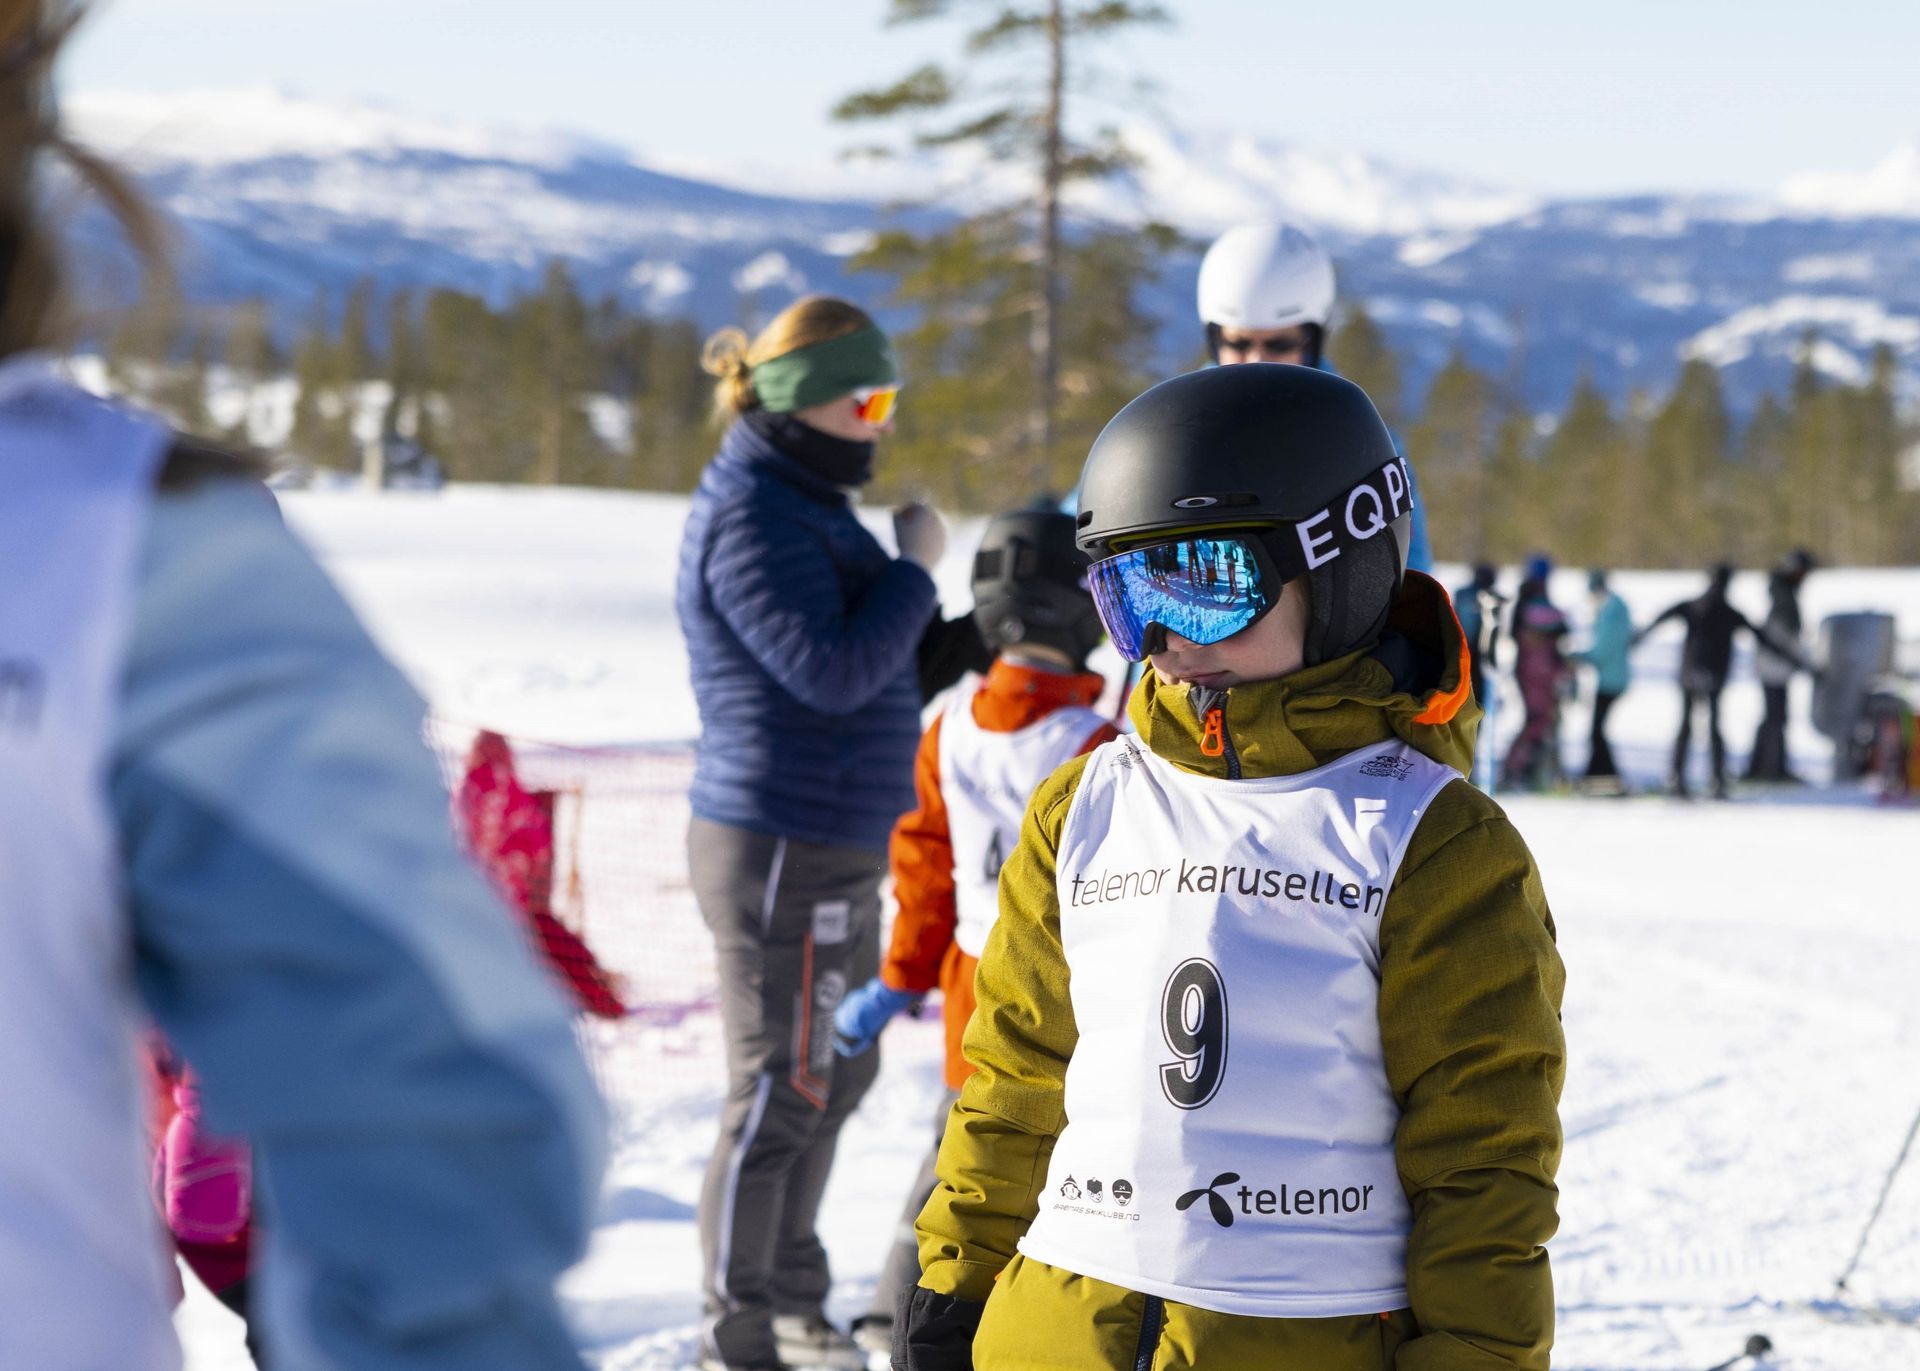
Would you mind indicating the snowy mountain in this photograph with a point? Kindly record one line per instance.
(282, 197)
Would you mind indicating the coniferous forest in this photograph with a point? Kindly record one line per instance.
(554, 388)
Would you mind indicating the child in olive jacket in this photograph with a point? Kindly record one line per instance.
(1267, 1049)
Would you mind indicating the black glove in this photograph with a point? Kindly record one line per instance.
(949, 649)
(934, 1332)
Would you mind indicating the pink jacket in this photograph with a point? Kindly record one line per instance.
(202, 1183)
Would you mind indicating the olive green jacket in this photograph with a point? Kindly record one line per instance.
(1470, 987)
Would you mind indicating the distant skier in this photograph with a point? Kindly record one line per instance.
(978, 763)
(1769, 761)
(1706, 660)
(1609, 653)
(1266, 294)
(1539, 632)
(1477, 605)
(803, 635)
(203, 1186)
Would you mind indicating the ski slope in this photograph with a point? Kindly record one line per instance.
(1741, 1015)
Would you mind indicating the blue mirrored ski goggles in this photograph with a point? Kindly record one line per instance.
(1204, 589)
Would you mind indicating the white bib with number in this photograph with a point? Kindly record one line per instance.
(986, 779)
(1229, 1142)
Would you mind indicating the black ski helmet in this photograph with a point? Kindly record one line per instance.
(1030, 585)
(1299, 454)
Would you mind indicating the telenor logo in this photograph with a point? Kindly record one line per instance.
(1222, 1211)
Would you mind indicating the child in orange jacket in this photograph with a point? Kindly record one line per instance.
(977, 765)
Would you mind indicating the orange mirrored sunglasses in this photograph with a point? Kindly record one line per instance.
(874, 404)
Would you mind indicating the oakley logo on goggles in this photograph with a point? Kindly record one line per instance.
(874, 404)
(1208, 588)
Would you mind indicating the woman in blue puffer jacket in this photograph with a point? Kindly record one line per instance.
(803, 634)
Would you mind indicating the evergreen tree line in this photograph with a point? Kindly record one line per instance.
(550, 388)
(553, 388)
(1677, 481)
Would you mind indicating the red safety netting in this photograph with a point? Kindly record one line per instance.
(618, 883)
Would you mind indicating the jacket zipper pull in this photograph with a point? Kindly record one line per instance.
(1213, 740)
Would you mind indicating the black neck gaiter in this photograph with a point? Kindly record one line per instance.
(842, 461)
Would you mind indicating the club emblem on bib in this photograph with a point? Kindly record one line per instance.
(1070, 1188)
(1393, 768)
(1123, 1193)
(1093, 1190)
(1221, 1210)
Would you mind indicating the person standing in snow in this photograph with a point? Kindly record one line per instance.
(978, 764)
(1538, 630)
(1255, 1086)
(203, 1187)
(1477, 604)
(802, 636)
(1609, 653)
(218, 813)
(1706, 660)
(1768, 761)
(1266, 294)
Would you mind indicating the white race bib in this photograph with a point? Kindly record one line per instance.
(987, 779)
(1230, 1127)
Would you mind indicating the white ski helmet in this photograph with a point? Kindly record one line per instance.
(1265, 276)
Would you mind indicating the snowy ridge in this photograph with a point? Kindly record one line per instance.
(1780, 324)
(282, 196)
(1891, 187)
(1210, 180)
(212, 126)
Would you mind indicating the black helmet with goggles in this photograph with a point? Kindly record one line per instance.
(1210, 491)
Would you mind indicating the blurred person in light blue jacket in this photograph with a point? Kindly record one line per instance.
(1609, 654)
(216, 811)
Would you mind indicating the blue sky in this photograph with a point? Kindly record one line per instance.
(1629, 95)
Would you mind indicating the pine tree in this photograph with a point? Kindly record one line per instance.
(670, 396)
(1689, 504)
(1813, 440)
(1762, 484)
(466, 363)
(1579, 493)
(1359, 349)
(1871, 464)
(551, 368)
(1453, 445)
(1020, 118)
(405, 370)
(143, 341)
(322, 417)
(252, 354)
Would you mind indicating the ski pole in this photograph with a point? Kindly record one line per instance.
(1886, 1186)
(1757, 1346)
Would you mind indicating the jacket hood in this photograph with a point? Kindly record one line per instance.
(1411, 685)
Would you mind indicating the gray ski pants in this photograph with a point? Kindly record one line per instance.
(901, 1271)
(795, 924)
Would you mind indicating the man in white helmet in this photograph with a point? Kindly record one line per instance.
(1266, 294)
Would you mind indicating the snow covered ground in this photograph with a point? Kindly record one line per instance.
(1740, 1013)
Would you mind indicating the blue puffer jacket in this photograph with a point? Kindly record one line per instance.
(801, 633)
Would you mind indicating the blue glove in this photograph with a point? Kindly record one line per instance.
(863, 1013)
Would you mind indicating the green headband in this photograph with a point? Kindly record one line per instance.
(821, 372)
